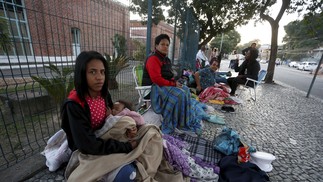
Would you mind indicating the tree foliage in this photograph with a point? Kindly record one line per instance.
(214, 16)
(303, 35)
(5, 40)
(229, 42)
(220, 16)
(115, 65)
(298, 36)
(140, 52)
(141, 7)
(118, 61)
(119, 44)
(288, 6)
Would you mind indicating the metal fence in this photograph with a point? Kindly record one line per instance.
(53, 32)
(44, 32)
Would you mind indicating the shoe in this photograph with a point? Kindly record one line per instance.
(227, 109)
(230, 109)
(224, 109)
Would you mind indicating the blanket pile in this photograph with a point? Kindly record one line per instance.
(148, 154)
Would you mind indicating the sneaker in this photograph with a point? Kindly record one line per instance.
(224, 109)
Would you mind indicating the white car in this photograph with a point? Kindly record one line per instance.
(293, 64)
(307, 66)
(263, 61)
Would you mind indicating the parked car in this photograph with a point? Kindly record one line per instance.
(307, 66)
(263, 61)
(293, 64)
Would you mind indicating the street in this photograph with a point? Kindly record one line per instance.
(291, 76)
(299, 79)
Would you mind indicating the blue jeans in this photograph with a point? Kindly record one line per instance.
(124, 174)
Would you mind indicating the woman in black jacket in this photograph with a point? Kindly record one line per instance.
(248, 69)
(85, 110)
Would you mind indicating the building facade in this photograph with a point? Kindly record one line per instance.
(138, 31)
(63, 28)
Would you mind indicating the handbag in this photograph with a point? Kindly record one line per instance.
(227, 142)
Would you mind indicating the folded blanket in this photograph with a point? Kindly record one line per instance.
(174, 104)
(148, 154)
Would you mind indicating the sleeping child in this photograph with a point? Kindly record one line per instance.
(119, 109)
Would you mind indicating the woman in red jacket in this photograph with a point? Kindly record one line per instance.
(168, 96)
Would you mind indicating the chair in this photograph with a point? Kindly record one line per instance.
(255, 83)
(137, 72)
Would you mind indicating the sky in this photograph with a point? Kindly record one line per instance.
(261, 31)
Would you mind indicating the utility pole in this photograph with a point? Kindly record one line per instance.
(174, 38)
(315, 74)
(148, 38)
(221, 44)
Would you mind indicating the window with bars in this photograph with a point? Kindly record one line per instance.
(13, 12)
(76, 41)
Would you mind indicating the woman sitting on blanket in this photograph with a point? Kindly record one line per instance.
(207, 77)
(84, 111)
(211, 85)
(168, 96)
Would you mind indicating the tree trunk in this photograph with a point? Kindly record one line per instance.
(274, 23)
(273, 53)
(113, 84)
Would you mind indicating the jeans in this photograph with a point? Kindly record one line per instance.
(126, 174)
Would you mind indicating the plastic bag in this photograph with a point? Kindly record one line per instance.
(227, 142)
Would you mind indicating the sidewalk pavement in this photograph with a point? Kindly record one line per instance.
(282, 122)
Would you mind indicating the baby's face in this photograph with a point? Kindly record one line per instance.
(117, 108)
(131, 133)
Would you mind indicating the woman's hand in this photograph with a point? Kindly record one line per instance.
(198, 88)
(133, 143)
(108, 111)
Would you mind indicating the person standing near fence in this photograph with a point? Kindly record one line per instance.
(244, 51)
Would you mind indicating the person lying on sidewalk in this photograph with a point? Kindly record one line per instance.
(248, 69)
